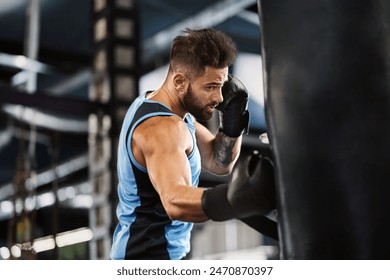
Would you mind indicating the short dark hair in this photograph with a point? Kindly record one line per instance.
(196, 49)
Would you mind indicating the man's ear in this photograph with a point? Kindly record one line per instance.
(180, 82)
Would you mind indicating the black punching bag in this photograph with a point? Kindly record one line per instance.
(327, 96)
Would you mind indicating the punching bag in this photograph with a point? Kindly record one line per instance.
(327, 100)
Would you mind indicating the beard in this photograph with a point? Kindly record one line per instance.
(194, 106)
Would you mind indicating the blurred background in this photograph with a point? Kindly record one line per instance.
(69, 69)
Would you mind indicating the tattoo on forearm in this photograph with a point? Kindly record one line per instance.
(224, 149)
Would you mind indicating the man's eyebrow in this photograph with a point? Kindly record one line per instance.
(214, 84)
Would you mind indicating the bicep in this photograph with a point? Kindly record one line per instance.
(167, 167)
(169, 171)
(165, 157)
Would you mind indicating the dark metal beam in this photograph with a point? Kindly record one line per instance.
(212, 15)
(41, 100)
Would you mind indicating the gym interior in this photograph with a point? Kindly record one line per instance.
(318, 77)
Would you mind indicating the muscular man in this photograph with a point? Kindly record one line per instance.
(162, 149)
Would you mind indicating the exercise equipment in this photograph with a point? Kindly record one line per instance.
(327, 95)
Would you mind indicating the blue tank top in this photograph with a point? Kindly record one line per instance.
(144, 230)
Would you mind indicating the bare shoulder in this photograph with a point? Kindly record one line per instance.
(164, 131)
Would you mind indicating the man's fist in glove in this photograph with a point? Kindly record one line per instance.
(234, 114)
(252, 188)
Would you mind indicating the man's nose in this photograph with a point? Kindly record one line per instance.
(218, 96)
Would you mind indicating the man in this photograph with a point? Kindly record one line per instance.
(162, 149)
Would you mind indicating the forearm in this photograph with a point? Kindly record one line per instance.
(184, 203)
(226, 151)
(198, 205)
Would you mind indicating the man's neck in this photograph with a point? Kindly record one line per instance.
(170, 98)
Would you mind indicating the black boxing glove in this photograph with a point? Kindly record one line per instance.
(234, 114)
(251, 190)
(217, 208)
(216, 205)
